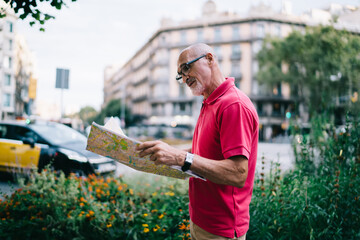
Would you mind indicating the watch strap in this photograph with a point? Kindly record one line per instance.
(188, 161)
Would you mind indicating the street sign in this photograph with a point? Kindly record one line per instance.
(62, 78)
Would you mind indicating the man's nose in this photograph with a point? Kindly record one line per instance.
(184, 78)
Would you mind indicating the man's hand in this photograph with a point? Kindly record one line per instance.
(162, 153)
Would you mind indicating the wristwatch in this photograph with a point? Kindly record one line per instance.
(188, 161)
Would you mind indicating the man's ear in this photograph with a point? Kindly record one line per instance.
(210, 58)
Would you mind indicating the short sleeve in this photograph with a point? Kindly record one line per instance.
(236, 124)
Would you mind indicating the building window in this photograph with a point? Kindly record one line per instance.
(7, 62)
(236, 32)
(217, 34)
(277, 90)
(217, 50)
(278, 30)
(163, 39)
(183, 37)
(182, 107)
(256, 47)
(182, 90)
(276, 109)
(7, 98)
(200, 35)
(235, 69)
(236, 51)
(260, 30)
(7, 79)
(255, 67)
(10, 44)
(10, 26)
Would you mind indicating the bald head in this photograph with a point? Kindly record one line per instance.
(198, 49)
(197, 66)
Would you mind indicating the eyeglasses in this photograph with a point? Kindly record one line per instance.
(185, 69)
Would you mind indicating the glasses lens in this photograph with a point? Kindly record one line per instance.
(185, 69)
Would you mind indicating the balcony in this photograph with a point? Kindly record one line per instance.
(140, 99)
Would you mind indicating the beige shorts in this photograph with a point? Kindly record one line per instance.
(197, 233)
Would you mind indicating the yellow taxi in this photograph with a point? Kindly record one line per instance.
(27, 146)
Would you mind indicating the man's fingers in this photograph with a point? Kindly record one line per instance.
(146, 151)
(146, 145)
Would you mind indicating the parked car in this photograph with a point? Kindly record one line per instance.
(27, 146)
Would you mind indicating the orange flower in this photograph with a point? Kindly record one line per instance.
(182, 226)
(82, 204)
(161, 216)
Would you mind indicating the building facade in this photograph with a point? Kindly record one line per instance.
(146, 82)
(7, 66)
(17, 80)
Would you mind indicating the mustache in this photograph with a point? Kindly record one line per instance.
(190, 80)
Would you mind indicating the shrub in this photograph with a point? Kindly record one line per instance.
(51, 206)
(319, 199)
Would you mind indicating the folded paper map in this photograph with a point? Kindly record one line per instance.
(110, 141)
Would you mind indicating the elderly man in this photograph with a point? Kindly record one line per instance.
(224, 149)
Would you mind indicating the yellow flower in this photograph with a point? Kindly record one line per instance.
(145, 225)
(161, 216)
(154, 194)
(108, 225)
(146, 230)
(170, 194)
(145, 214)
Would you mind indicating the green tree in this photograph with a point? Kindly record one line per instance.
(321, 66)
(30, 9)
(114, 108)
(87, 114)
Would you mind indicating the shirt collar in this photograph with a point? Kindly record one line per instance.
(220, 90)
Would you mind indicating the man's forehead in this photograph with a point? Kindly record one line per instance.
(183, 57)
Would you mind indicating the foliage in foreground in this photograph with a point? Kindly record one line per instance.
(319, 199)
(52, 207)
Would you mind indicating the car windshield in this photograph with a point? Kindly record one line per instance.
(57, 134)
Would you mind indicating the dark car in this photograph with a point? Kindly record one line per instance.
(28, 146)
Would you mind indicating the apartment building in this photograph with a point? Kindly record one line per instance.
(7, 69)
(17, 80)
(146, 82)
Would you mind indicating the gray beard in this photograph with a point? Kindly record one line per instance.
(198, 89)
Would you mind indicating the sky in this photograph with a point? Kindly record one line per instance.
(89, 35)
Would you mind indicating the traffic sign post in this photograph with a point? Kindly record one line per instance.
(62, 82)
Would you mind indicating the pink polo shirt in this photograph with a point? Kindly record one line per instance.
(228, 126)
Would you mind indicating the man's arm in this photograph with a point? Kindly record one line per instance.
(231, 171)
